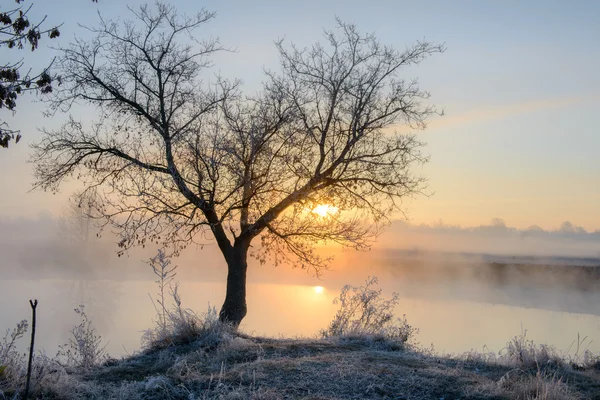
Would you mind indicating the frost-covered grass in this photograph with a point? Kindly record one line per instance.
(243, 367)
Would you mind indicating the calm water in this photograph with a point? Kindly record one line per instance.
(454, 317)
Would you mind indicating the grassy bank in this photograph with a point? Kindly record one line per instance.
(235, 366)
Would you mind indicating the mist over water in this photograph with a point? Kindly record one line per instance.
(456, 287)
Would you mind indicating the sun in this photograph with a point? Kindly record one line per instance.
(319, 289)
(324, 210)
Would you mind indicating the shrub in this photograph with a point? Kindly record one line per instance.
(364, 312)
(85, 348)
(12, 361)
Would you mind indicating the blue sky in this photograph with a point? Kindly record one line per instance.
(519, 85)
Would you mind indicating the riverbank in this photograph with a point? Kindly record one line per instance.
(226, 365)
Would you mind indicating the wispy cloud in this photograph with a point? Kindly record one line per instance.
(484, 114)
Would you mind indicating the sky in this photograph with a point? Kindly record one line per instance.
(518, 83)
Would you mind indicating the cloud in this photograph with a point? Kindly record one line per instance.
(484, 114)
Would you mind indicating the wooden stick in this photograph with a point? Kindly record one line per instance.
(33, 304)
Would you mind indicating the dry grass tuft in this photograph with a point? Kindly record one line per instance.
(524, 353)
(178, 325)
(541, 386)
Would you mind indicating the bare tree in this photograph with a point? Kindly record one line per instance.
(179, 161)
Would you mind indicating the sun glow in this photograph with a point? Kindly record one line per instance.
(324, 210)
(319, 289)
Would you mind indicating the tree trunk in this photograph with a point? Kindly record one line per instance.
(234, 308)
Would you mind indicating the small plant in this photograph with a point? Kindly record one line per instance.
(161, 267)
(8, 350)
(177, 324)
(363, 311)
(85, 348)
(12, 361)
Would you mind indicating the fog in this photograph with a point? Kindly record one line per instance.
(463, 287)
(496, 238)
